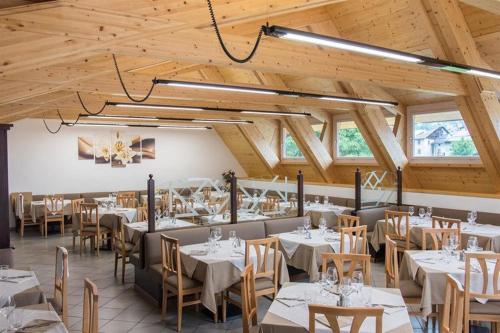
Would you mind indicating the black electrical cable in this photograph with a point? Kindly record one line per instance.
(221, 42)
(125, 88)
(87, 110)
(51, 131)
(63, 122)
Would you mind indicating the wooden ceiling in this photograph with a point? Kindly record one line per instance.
(52, 49)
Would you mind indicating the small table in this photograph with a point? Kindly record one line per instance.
(220, 270)
(429, 269)
(328, 212)
(285, 316)
(305, 253)
(488, 235)
(42, 315)
(23, 285)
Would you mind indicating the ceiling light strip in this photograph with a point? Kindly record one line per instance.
(222, 87)
(140, 126)
(146, 118)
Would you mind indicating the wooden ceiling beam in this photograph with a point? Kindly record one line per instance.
(492, 6)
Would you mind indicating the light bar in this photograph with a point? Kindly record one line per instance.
(169, 107)
(339, 43)
(287, 93)
(140, 126)
(213, 86)
(153, 106)
(195, 120)
(344, 44)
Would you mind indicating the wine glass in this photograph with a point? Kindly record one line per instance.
(331, 277)
(472, 243)
(421, 213)
(345, 286)
(232, 235)
(429, 212)
(307, 224)
(3, 272)
(357, 280)
(322, 225)
(411, 210)
(316, 199)
(471, 218)
(325, 201)
(218, 234)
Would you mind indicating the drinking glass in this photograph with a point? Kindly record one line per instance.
(212, 243)
(345, 286)
(218, 235)
(366, 294)
(471, 217)
(357, 280)
(323, 283)
(3, 272)
(325, 201)
(316, 199)
(232, 235)
(300, 230)
(421, 213)
(307, 224)
(322, 225)
(411, 210)
(331, 277)
(429, 212)
(472, 243)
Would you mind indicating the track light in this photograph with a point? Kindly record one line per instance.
(153, 106)
(202, 85)
(191, 120)
(339, 43)
(97, 125)
(141, 126)
(170, 107)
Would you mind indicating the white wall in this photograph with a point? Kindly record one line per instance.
(41, 162)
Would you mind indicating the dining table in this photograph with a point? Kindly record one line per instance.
(221, 268)
(289, 311)
(33, 318)
(23, 285)
(429, 269)
(38, 208)
(328, 211)
(304, 252)
(488, 235)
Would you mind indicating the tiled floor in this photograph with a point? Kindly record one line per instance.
(122, 309)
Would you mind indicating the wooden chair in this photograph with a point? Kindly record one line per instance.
(359, 315)
(174, 281)
(447, 223)
(248, 300)
(397, 227)
(239, 199)
(357, 237)
(266, 272)
(142, 214)
(60, 300)
(53, 212)
(347, 221)
(438, 237)
(75, 215)
(207, 193)
(90, 227)
(126, 199)
(474, 310)
(453, 309)
(272, 203)
(90, 321)
(123, 248)
(21, 203)
(346, 264)
(410, 290)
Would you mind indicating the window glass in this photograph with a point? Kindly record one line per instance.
(350, 142)
(441, 134)
(290, 148)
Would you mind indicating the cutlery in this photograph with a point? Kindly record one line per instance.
(288, 305)
(291, 299)
(19, 277)
(38, 325)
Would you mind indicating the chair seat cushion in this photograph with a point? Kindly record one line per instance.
(187, 283)
(92, 228)
(492, 307)
(125, 246)
(53, 217)
(410, 288)
(260, 284)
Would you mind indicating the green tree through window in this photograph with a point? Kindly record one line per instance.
(463, 147)
(350, 142)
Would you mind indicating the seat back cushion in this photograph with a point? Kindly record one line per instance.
(247, 231)
(277, 226)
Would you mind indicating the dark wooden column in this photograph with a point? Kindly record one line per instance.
(151, 204)
(300, 194)
(234, 199)
(357, 190)
(4, 188)
(399, 175)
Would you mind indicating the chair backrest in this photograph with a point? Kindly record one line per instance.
(397, 226)
(262, 248)
(119, 235)
(391, 264)
(61, 281)
(171, 259)
(357, 238)
(90, 322)
(21, 202)
(272, 203)
(126, 199)
(347, 221)
(248, 298)
(453, 310)
(438, 237)
(342, 261)
(54, 205)
(142, 213)
(89, 215)
(358, 314)
(207, 193)
(75, 205)
(447, 223)
(477, 263)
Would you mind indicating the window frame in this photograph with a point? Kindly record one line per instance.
(352, 159)
(284, 158)
(434, 108)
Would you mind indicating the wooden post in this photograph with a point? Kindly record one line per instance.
(151, 204)
(357, 190)
(234, 199)
(4, 189)
(399, 176)
(300, 194)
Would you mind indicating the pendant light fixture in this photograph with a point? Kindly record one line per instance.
(146, 118)
(142, 126)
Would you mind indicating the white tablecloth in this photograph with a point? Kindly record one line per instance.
(16, 286)
(164, 224)
(37, 208)
(241, 217)
(29, 317)
(290, 241)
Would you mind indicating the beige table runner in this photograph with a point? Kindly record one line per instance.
(328, 212)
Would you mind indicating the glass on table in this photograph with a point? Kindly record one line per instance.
(428, 212)
(345, 287)
(300, 230)
(325, 201)
(322, 225)
(331, 277)
(3, 272)
(471, 217)
(357, 281)
(421, 213)
(316, 199)
(472, 243)
(411, 210)
(232, 235)
(307, 224)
